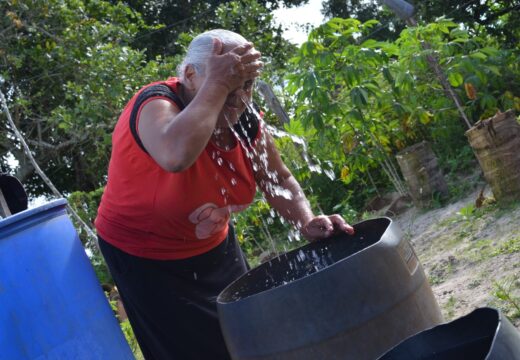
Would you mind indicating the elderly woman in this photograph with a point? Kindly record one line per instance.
(186, 153)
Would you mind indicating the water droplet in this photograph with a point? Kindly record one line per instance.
(220, 161)
(233, 181)
(330, 174)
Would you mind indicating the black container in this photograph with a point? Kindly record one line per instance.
(484, 334)
(347, 297)
(13, 194)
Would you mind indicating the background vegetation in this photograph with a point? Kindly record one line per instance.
(358, 91)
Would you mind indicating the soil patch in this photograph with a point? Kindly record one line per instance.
(470, 254)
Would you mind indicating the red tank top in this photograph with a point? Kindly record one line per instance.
(149, 212)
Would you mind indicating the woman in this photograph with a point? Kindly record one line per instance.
(186, 153)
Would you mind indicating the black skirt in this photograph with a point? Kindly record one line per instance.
(171, 304)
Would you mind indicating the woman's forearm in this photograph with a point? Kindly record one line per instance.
(192, 128)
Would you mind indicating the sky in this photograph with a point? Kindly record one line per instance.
(291, 18)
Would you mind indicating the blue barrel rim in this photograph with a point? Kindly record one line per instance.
(4, 223)
(313, 276)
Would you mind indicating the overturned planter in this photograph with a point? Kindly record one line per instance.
(422, 174)
(347, 297)
(496, 144)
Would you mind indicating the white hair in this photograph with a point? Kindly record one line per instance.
(201, 47)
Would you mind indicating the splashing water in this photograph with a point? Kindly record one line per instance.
(273, 245)
(314, 166)
(260, 161)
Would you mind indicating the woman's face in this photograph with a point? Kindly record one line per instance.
(236, 101)
(235, 104)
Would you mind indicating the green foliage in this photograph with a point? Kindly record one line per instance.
(369, 99)
(173, 19)
(504, 292)
(509, 247)
(255, 22)
(69, 66)
(260, 231)
(130, 338)
(366, 10)
(449, 307)
(68, 71)
(100, 268)
(85, 204)
(500, 18)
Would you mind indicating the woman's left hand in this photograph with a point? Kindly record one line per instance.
(323, 226)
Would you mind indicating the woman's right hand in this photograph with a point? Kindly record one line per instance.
(232, 68)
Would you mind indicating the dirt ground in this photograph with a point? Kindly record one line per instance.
(471, 255)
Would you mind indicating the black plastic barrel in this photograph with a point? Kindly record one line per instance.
(347, 297)
(484, 334)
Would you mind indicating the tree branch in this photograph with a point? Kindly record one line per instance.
(60, 146)
(47, 181)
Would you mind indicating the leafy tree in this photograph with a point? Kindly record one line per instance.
(173, 18)
(500, 19)
(338, 94)
(255, 22)
(368, 99)
(389, 28)
(68, 71)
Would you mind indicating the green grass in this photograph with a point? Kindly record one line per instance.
(449, 307)
(509, 247)
(504, 292)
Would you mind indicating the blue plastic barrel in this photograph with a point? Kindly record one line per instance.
(51, 303)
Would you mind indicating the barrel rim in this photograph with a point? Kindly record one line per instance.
(414, 147)
(319, 273)
(10, 220)
(489, 314)
(479, 125)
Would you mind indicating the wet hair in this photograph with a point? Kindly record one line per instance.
(201, 46)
